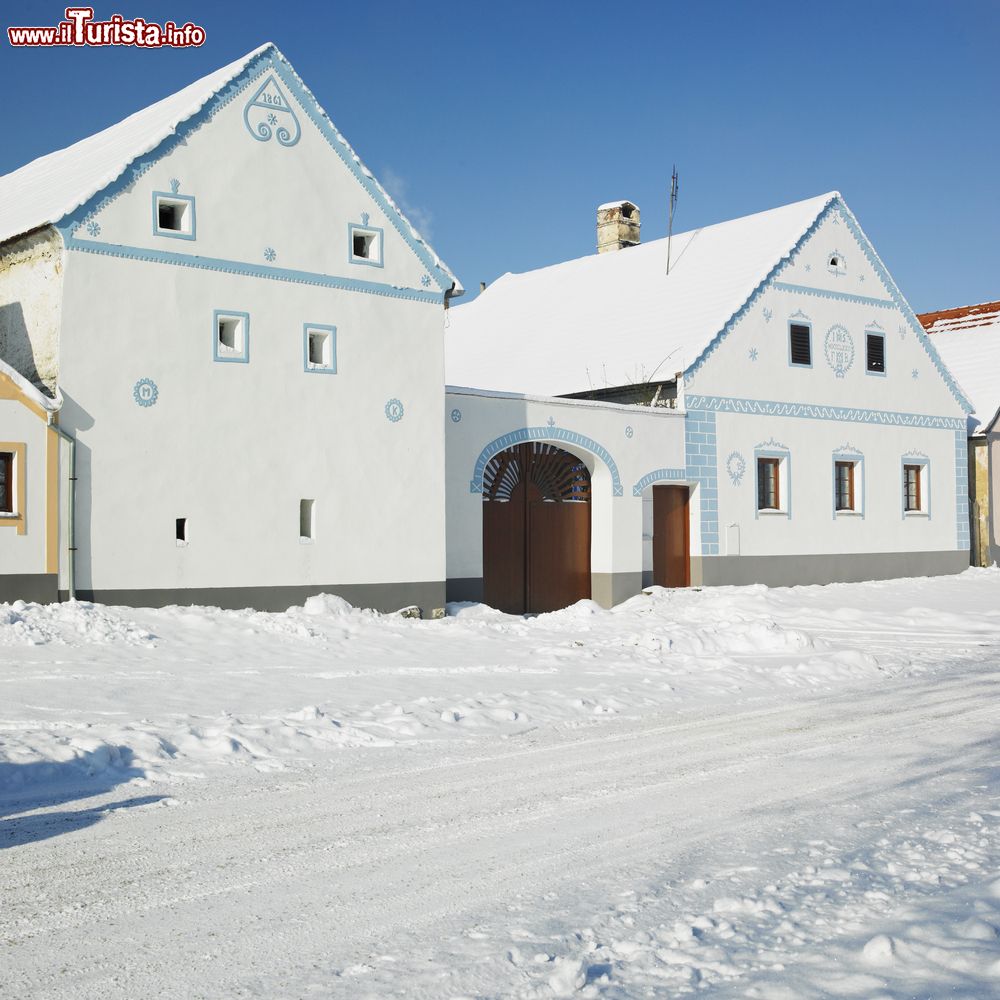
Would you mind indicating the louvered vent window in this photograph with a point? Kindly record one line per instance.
(876, 353)
(800, 346)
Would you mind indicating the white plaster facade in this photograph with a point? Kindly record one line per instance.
(620, 445)
(743, 399)
(197, 447)
(170, 424)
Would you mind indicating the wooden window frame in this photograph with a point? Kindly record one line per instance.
(849, 467)
(7, 505)
(14, 517)
(762, 463)
(916, 469)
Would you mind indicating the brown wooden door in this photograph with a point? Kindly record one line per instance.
(536, 529)
(671, 559)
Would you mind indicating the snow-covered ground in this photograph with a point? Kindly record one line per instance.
(739, 792)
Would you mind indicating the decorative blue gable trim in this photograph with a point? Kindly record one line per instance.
(657, 476)
(267, 62)
(544, 434)
(702, 469)
(254, 270)
(840, 211)
(826, 293)
(903, 306)
(755, 295)
(268, 113)
(816, 411)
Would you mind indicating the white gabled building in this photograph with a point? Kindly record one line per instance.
(241, 338)
(820, 436)
(968, 339)
(222, 351)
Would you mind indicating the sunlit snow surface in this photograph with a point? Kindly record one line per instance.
(738, 792)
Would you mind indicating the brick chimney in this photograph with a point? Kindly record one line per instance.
(617, 226)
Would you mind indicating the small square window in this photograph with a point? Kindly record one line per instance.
(173, 215)
(800, 344)
(365, 245)
(307, 520)
(320, 348)
(875, 353)
(231, 333)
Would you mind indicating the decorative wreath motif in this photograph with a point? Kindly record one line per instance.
(838, 346)
(145, 393)
(628, 431)
(456, 416)
(736, 467)
(394, 410)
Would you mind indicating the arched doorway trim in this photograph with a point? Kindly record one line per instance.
(544, 434)
(657, 476)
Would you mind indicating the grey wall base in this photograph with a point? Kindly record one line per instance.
(791, 571)
(380, 596)
(609, 589)
(42, 588)
(465, 588)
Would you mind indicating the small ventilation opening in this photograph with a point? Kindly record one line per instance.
(319, 349)
(181, 529)
(170, 216)
(363, 245)
(834, 261)
(230, 334)
(876, 353)
(801, 349)
(307, 519)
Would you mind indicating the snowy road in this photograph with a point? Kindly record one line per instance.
(844, 842)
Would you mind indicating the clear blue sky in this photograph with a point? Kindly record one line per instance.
(501, 126)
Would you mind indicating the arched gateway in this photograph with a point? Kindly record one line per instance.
(536, 529)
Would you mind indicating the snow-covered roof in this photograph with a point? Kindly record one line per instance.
(968, 340)
(47, 189)
(31, 391)
(618, 318)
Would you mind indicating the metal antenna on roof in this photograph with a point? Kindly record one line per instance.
(670, 220)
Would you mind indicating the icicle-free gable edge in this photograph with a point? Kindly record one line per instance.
(247, 71)
(836, 203)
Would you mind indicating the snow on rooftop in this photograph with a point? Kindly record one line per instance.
(33, 393)
(968, 340)
(43, 191)
(618, 318)
(49, 188)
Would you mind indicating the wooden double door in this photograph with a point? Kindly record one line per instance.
(536, 529)
(671, 544)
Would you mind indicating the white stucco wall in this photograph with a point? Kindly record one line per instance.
(234, 447)
(31, 270)
(834, 404)
(638, 439)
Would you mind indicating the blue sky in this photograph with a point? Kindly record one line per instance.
(500, 127)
